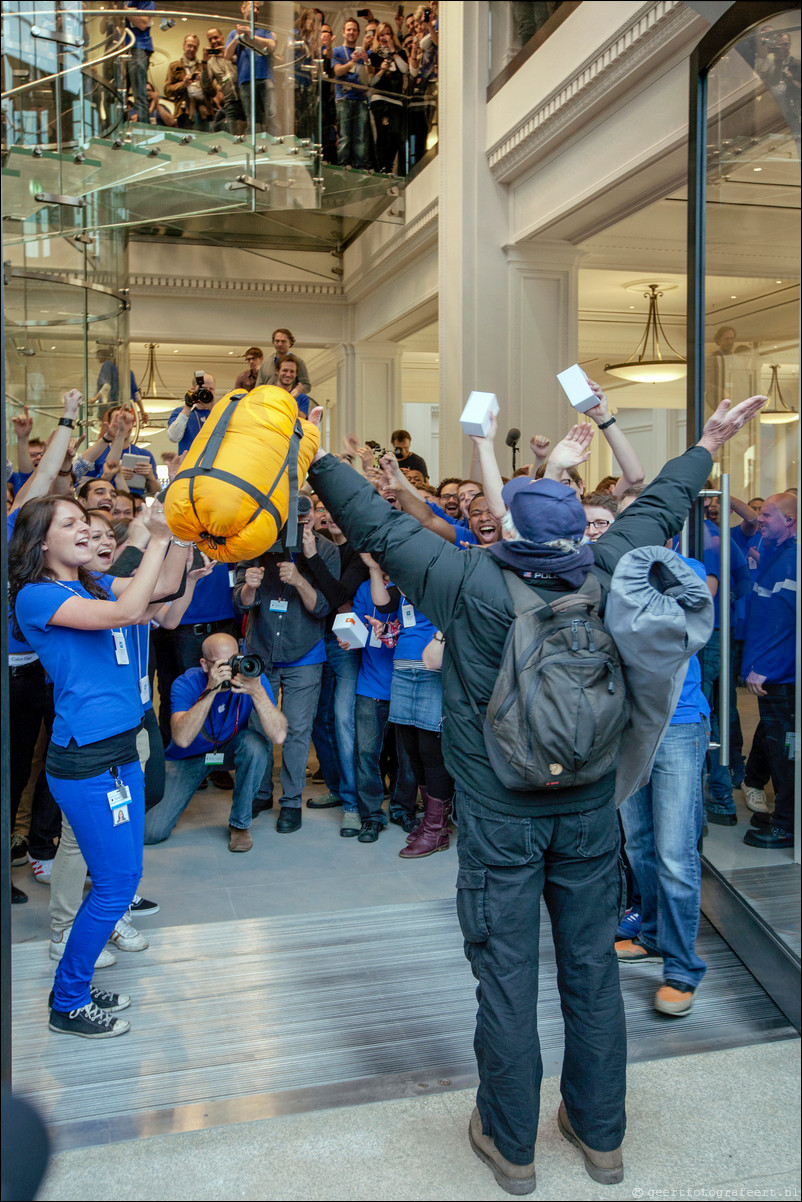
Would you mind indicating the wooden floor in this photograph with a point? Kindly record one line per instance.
(241, 1020)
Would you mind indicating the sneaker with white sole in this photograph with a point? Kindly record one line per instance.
(58, 941)
(143, 907)
(630, 925)
(125, 938)
(756, 800)
(111, 1002)
(89, 1021)
(41, 869)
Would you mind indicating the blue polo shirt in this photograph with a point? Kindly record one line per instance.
(263, 65)
(376, 669)
(228, 715)
(143, 40)
(413, 639)
(195, 423)
(97, 468)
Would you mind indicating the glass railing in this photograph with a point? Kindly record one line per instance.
(516, 30)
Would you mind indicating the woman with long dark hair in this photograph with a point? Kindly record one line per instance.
(75, 620)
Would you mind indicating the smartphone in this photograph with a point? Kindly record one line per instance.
(399, 12)
(363, 12)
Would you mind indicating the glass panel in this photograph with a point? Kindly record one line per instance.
(517, 28)
(752, 345)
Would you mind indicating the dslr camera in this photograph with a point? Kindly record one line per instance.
(198, 394)
(244, 665)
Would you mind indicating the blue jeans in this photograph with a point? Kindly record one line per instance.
(370, 718)
(137, 82)
(506, 864)
(352, 130)
(345, 667)
(113, 856)
(300, 689)
(248, 752)
(265, 104)
(662, 823)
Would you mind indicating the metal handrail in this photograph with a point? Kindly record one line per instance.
(35, 83)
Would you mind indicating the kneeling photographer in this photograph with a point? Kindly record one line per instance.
(188, 420)
(223, 715)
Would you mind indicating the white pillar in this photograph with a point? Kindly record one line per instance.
(473, 326)
(368, 390)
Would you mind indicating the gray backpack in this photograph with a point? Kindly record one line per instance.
(559, 704)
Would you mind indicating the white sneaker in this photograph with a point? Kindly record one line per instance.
(59, 941)
(126, 938)
(41, 869)
(755, 799)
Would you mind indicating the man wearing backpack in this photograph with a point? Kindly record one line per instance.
(559, 842)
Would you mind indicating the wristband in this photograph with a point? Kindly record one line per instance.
(107, 440)
(179, 542)
(69, 422)
(67, 473)
(439, 638)
(609, 422)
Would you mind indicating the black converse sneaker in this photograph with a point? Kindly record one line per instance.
(102, 998)
(88, 1021)
(141, 906)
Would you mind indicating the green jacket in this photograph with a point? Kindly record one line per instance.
(463, 593)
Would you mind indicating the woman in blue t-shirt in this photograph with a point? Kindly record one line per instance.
(75, 622)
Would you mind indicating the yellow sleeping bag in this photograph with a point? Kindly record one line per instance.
(234, 490)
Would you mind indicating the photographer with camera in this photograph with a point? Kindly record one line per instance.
(188, 420)
(407, 460)
(223, 716)
(286, 627)
(191, 92)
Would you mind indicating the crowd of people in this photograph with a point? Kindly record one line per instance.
(242, 658)
(370, 101)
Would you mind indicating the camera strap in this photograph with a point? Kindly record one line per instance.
(208, 731)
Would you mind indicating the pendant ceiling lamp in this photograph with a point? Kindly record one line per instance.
(777, 412)
(649, 363)
(156, 399)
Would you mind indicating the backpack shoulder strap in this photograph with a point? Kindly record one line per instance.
(525, 598)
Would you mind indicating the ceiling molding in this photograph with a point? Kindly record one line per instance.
(624, 60)
(193, 286)
(418, 235)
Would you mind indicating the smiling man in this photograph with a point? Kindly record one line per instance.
(283, 341)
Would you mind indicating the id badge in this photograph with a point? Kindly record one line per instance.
(232, 577)
(408, 615)
(144, 690)
(118, 803)
(214, 758)
(277, 606)
(374, 640)
(120, 647)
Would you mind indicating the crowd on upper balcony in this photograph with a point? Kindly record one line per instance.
(369, 101)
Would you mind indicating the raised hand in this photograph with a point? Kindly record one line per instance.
(72, 402)
(727, 421)
(540, 446)
(574, 448)
(479, 439)
(156, 522)
(23, 425)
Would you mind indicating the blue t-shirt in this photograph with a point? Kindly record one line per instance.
(195, 423)
(108, 374)
(692, 705)
(315, 655)
(94, 695)
(229, 713)
(140, 650)
(17, 479)
(263, 65)
(15, 646)
(143, 39)
(376, 670)
(211, 601)
(97, 468)
(740, 580)
(413, 639)
(344, 54)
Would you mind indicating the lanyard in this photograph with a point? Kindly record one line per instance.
(114, 631)
(211, 736)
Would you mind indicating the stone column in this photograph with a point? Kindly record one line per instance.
(368, 391)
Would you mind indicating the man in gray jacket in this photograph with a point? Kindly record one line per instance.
(516, 847)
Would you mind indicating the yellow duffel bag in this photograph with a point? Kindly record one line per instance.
(239, 482)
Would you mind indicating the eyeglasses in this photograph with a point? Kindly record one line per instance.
(601, 524)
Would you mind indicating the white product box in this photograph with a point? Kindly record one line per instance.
(479, 408)
(351, 629)
(576, 387)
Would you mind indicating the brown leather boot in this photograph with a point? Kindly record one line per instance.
(432, 834)
(605, 1167)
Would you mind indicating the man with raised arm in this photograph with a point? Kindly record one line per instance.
(516, 846)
